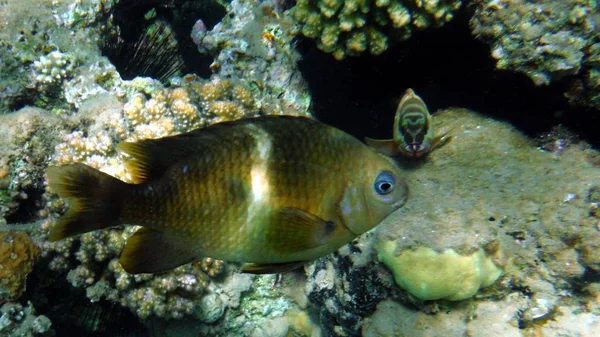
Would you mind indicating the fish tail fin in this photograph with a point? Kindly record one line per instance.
(94, 198)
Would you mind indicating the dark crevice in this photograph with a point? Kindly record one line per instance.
(446, 67)
(133, 46)
(28, 208)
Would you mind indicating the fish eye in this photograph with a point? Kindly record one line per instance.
(384, 183)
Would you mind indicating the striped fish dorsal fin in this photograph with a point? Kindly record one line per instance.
(150, 158)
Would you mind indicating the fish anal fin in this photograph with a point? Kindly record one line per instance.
(294, 230)
(271, 268)
(152, 251)
(384, 146)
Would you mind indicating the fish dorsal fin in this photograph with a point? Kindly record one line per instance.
(271, 268)
(150, 158)
(294, 230)
(152, 251)
(387, 147)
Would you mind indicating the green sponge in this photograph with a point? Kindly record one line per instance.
(429, 275)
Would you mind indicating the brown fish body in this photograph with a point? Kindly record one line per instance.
(270, 191)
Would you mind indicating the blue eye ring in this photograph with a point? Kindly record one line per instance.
(384, 183)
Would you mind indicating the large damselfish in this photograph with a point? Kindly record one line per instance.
(274, 192)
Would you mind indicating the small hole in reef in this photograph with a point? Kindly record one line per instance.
(28, 208)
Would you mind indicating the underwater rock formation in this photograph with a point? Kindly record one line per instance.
(255, 44)
(26, 139)
(488, 195)
(346, 287)
(546, 40)
(18, 255)
(526, 210)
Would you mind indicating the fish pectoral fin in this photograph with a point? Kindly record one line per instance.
(295, 230)
(271, 268)
(384, 146)
(152, 251)
(441, 140)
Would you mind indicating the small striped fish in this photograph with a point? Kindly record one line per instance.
(414, 135)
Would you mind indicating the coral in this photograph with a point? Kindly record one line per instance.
(211, 266)
(168, 295)
(17, 321)
(26, 138)
(352, 27)
(100, 77)
(52, 69)
(546, 40)
(244, 305)
(40, 49)
(255, 44)
(345, 287)
(18, 254)
(210, 309)
(429, 275)
(224, 100)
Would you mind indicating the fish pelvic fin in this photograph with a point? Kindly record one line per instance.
(271, 268)
(152, 251)
(93, 197)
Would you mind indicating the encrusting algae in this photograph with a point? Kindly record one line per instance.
(274, 192)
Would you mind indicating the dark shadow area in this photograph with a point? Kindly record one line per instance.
(446, 67)
(28, 208)
(152, 38)
(73, 314)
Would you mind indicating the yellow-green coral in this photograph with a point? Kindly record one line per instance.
(350, 27)
(430, 275)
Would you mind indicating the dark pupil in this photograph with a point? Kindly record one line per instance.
(385, 187)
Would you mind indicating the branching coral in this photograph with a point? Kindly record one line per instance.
(352, 27)
(16, 320)
(169, 295)
(52, 69)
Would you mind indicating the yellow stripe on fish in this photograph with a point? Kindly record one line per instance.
(274, 192)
